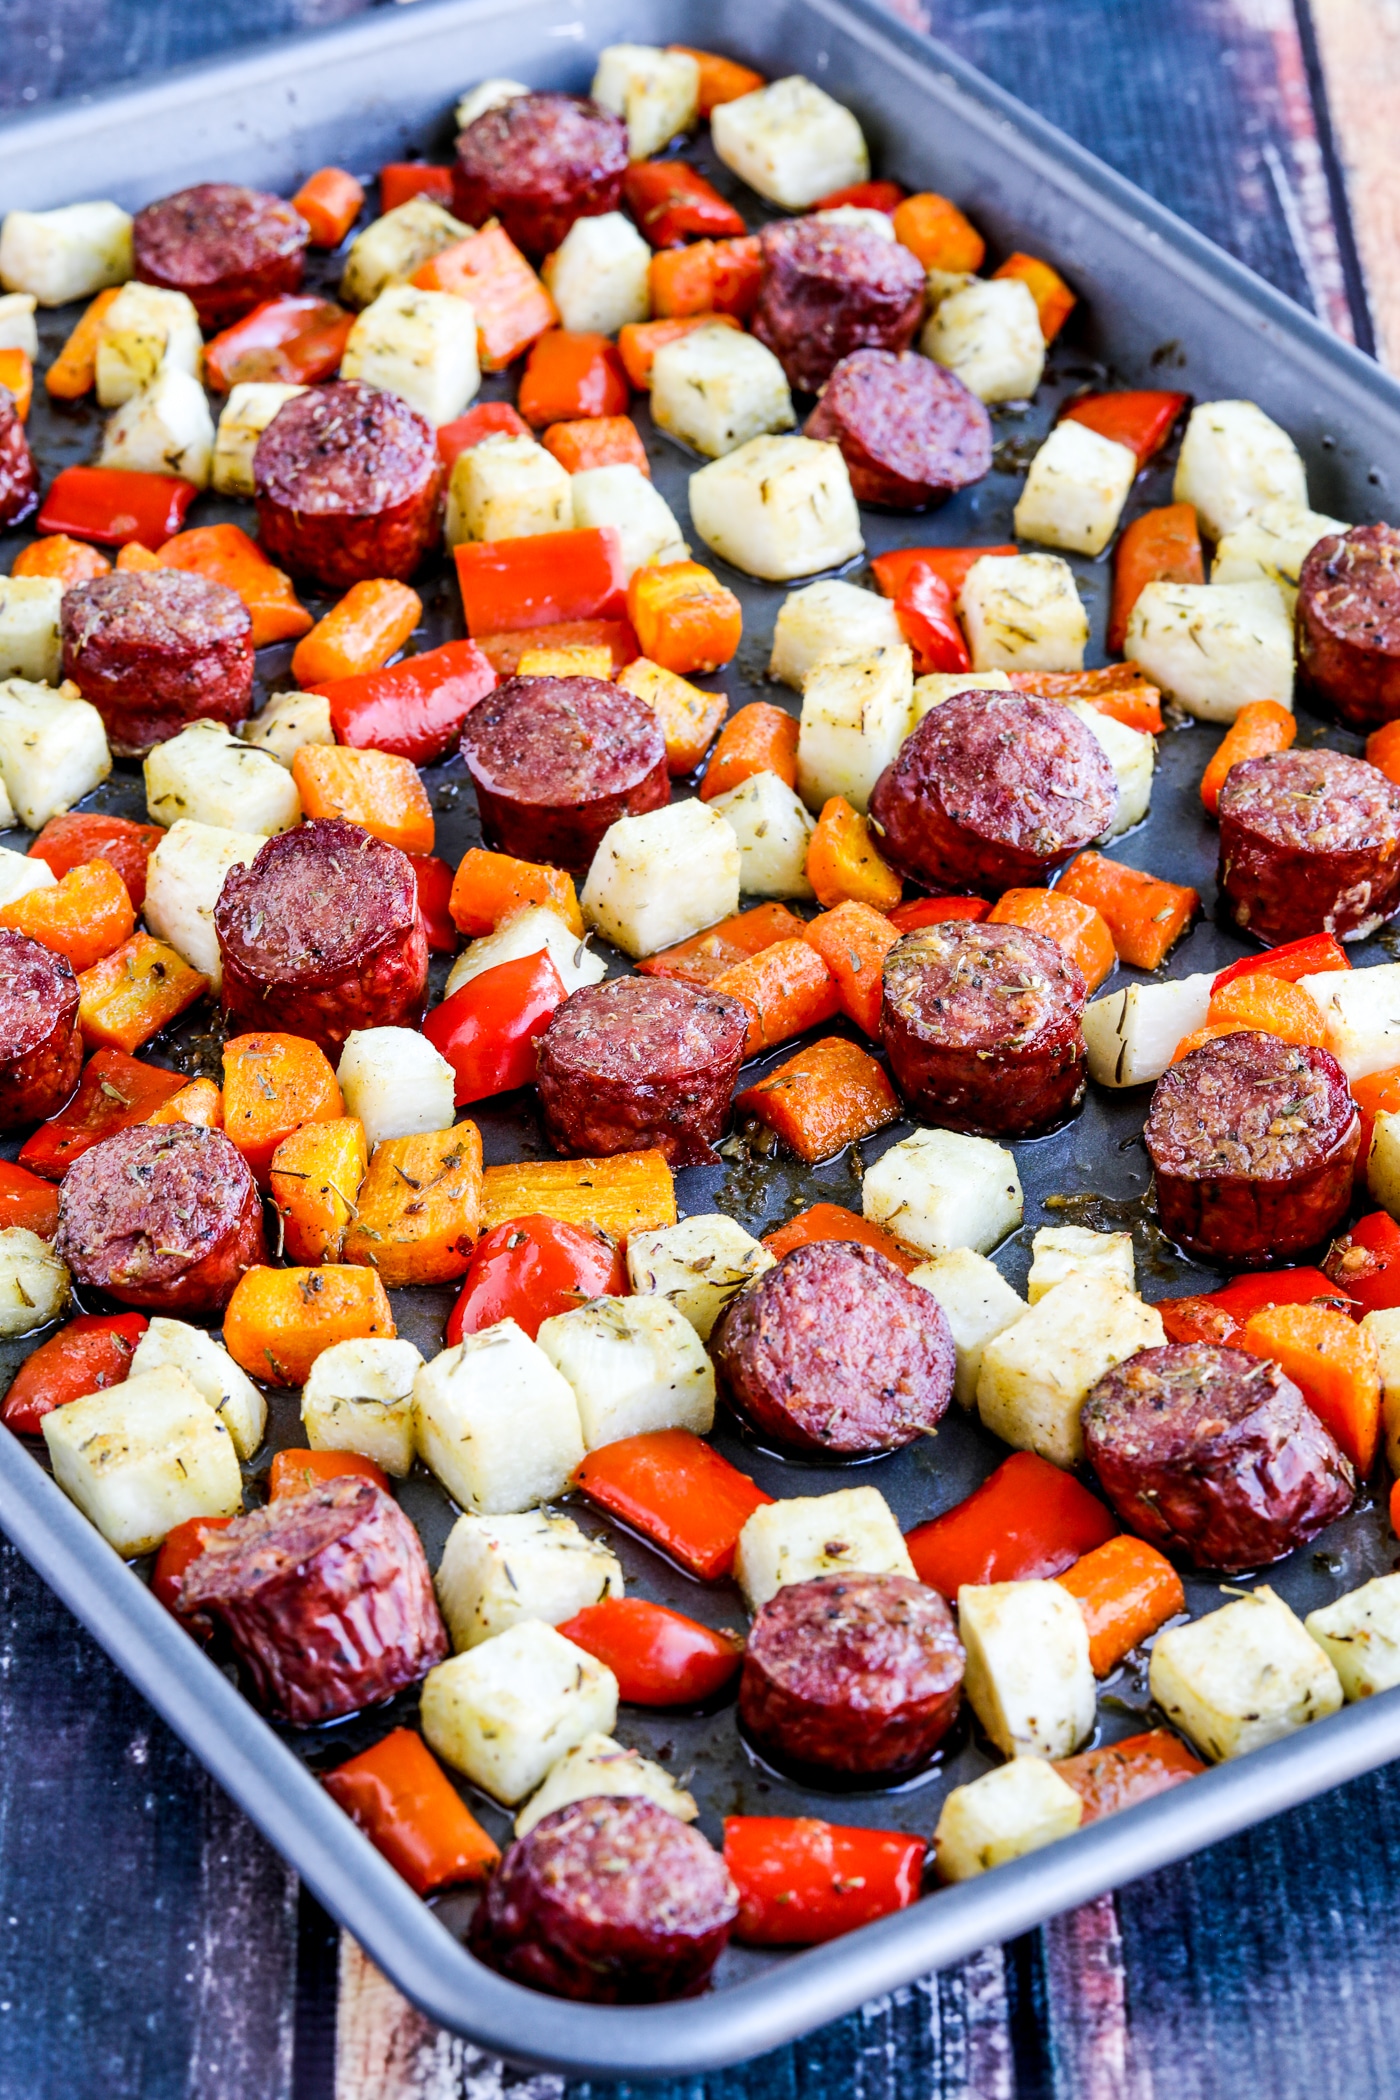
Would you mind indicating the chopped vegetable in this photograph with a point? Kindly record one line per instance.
(1161, 546)
(329, 201)
(129, 996)
(706, 956)
(88, 1355)
(684, 618)
(531, 1269)
(179, 1550)
(490, 888)
(1314, 956)
(1271, 1005)
(294, 341)
(864, 196)
(315, 1178)
(278, 1321)
(597, 441)
(200, 1102)
(1365, 1263)
(1116, 690)
(827, 1097)
(678, 1492)
(225, 554)
(1118, 1775)
(1221, 1316)
(295, 1472)
(760, 738)
(415, 709)
(689, 716)
(488, 1029)
(1140, 420)
(113, 505)
(659, 1657)
(114, 1091)
(410, 1811)
(830, 1221)
(931, 911)
(721, 79)
(951, 563)
(1334, 1364)
(85, 915)
(672, 203)
(375, 789)
(1377, 1094)
(486, 419)
(1126, 1589)
(419, 1207)
(639, 341)
(78, 836)
(1261, 726)
(553, 578)
(787, 990)
(924, 607)
(1144, 914)
(574, 640)
(1028, 1519)
(70, 561)
(802, 1881)
(719, 277)
(511, 307)
(940, 235)
(27, 1201)
(844, 864)
(1078, 929)
(370, 624)
(273, 1084)
(853, 941)
(567, 376)
(1054, 301)
(399, 180)
(73, 372)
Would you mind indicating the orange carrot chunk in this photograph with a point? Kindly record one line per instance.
(684, 618)
(511, 307)
(853, 941)
(200, 1102)
(706, 956)
(84, 916)
(371, 623)
(1261, 726)
(1334, 1364)
(823, 1099)
(844, 864)
(597, 441)
(419, 1208)
(761, 738)
(831, 1221)
(1126, 1589)
(1273, 1007)
(279, 1321)
(491, 887)
(1118, 1775)
(132, 994)
(1054, 301)
(375, 789)
(272, 1085)
(1383, 750)
(721, 79)
(787, 990)
(315, 1181)
(70, 561)
(708, 277)
(940, 235)
(639, 341)
(1144, 914)
(1080, 930)
(1162, 546)
(329, 201)
(73, 372)
(689, 716)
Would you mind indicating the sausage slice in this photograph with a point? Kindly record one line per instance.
(1309, 843)
(165, 1216)
(1349, 623)
(643, 1061)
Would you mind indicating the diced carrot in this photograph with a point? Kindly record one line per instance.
(1378, 1093)
(597, 441)
(511, 306)
(1208, 1032)
(1118, 690)
(689, 716)
(130, 995)
(225, 554)
(419, 1208)
(684, 618)
(329, 201)
(639, 341)
(761, 738)
(272, 1085)
(73, 372)
(296, 1472)
(370, 788)
(829, 1221)
(845, 864)
(721, 277)
(706, 956)
(1145, 915)
(491, 887)
(27, 1201)
(1078, 929)
(1054, 301)
(569, 374)
(315, 1180)
(200, 1102)
(721, 79)
(1161, 546)
(1383, 750)
(1118, 1775)
(505, 651)
(1334, 1364)
(17, 378)
(1126, 1589)
(70, 561)
(826, 1097)
(787, 990)
(629, 1192)
(853, 941)
(400, 181)
(1261, 726)
(279, 1321)
(573, 660)
(85, 915)
(940, 235)
(1273, 1006)
(371, 623)
(134, 559)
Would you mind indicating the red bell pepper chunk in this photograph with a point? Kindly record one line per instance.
(569, 374)
(114, 506)
(1140, 420)
(927, 911)
(81, 835)
(672, 203)
(531, 1268)
(410, 1811)
(487, 1031)
(415, 709)
(27, 1200)
(1311, 957)
(1028, 1519)
(538, 582)
(868, 196)
(924, 608)
(801, 1881)
(297, 1472)
(951, 563)
(295, 341)
(1365, 1263)
(1221, 1316)
(114, 1091)
(1395, 1508)
(179, 1550)
(400, 180)
(434, 890)
(487, 419)
(659, 1657)
(89, 1354)
(677, 1491)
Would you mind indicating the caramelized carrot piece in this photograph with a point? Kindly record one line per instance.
(787, 990)
(1118, 690)
(761, 738)
(721, 277)
(823, 1099)
(296, 1472)
(1126, 1589)
(630, 1192)
(1377, 1094)
(329, 201)
(706, 956)
(1145, 915)
(279, 1321)
(315, 1180)
(1078, 929)
(1383, 750)
(419, 1208)
(639, 341)
(1208, 1032)
(853, 941)
(73, 372)
(85, 915)
(684, 618)
(830, 1221)
(1054, 301)
(1273, 1006)
(370, 788)
(1335, 1365)
(1260, 726)
(133, 559)
(17, 378)
(200, 1102)
(511, 306)
(272, 1085)
(402, 180)
(71, 561)
(845, 864)
(689, 716)
(130, 995)
(1162, 546)
(597, 441)
(491, 887)
(940, 235)
(721, 79)
(371, 623)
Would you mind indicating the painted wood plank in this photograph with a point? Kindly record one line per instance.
(387, 2050)
(1359, 45)
(1086, 2008)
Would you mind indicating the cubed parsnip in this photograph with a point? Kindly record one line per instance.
(34, 1283)
(487, 94)
(1075, 490)
(31, 647)
(65, 254)
(183, 879)
(249, 409)
(791, 142)
(210, 776)
(1023, 612)
(1132, 753)
(359, 1397)
(621, 496)
(506, 488)
(1384, 1330)
(856, 712)
(978, 1303)
(989, 334)
(599, 275)
(391, 248)
(1028, 1678)
(17, 326)
(175, 1345)
(655, 92)
(1270, 546)
(395, 1083)
(505, 1712)
(1131, 1036)
(1006, 1813)
(773, 830)
(696, 1266)
(496, 1422)
(145, 331)
(420, 345)
(1383, 1162)
(597, 1766)
(142, 1457)
(1037, 1373)
(659, 878)
(1242, 1677)
(526, 933)
(497, 1571)
(716, 388)
(19, 874)
(165, 429)
(635, 1365)
(53, 748)
(289, 721)
(1213, 646)
(1362, 1011)
(1361, 1634)
(830, 618)
(777, 508)
(1234, 461)
(935, 687)
(851, 1531)
(939, 1189)
(1061, 1251)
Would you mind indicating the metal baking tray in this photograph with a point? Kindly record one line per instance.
(1158, 305)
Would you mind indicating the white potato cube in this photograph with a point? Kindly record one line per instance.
(1131, 1036)
(287, 723)
(487, 94)
(1212, 647)
(597, 1766)
(504, 1713)
(1362, 1012)
(19, 873)
(526, 933)
(658, 878)
(635, 1365)
(419, 345)
(1003, 1815)
(359, 1397)
(1037, 1374)
(391, 248)
(773, 831)
(496, 1422)
(53, 748)
(989, 334)
(210, 776)
(175, 1345)
(17, 326)
(852, 1531)
(1361, 1634)
(856, 712)
(831, 618)
(1235, 460)
(940, 1189)
(395, 1083)
(34, 1284)
(1132, 753)
(1384, 1330)
(977, 1302)
(1028, 1678)
(778, 507)
(140, 1458)
(183, 879)
(1242, 1677)
(935, 687)
(1062, 1251)
(144, 332)
(506, 488)
(31, 646)
(655, 92)
(1271, 547)
(717, 388)
(65, 254)
(1023, 612)
(165, 429)
(790, 142)
(621, 496)
(599, 276)
(245, 415)
(697, 1266)
(1075, 490)
(497, 1571)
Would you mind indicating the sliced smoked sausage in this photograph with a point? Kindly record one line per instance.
(155, 650)
(225, 247)
(162, 1216)
(910, 432)
(347, 480)
(41, 1044)
(830, 287)
(1349, 623)
(19, 484)
(640, 1062)
(537, 163)
(1309, 843)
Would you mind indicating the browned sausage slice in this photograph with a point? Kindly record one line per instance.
(19, 484)
(41, 1044)
(347, 479)
(161, 1215)
(538, 163)
(1349, 623)
(225, 247)
(640, 1062)
(155, 650)
(1309, 843)
(830, 287)
(910, 432)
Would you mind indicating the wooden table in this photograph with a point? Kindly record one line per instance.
(153, 1948)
